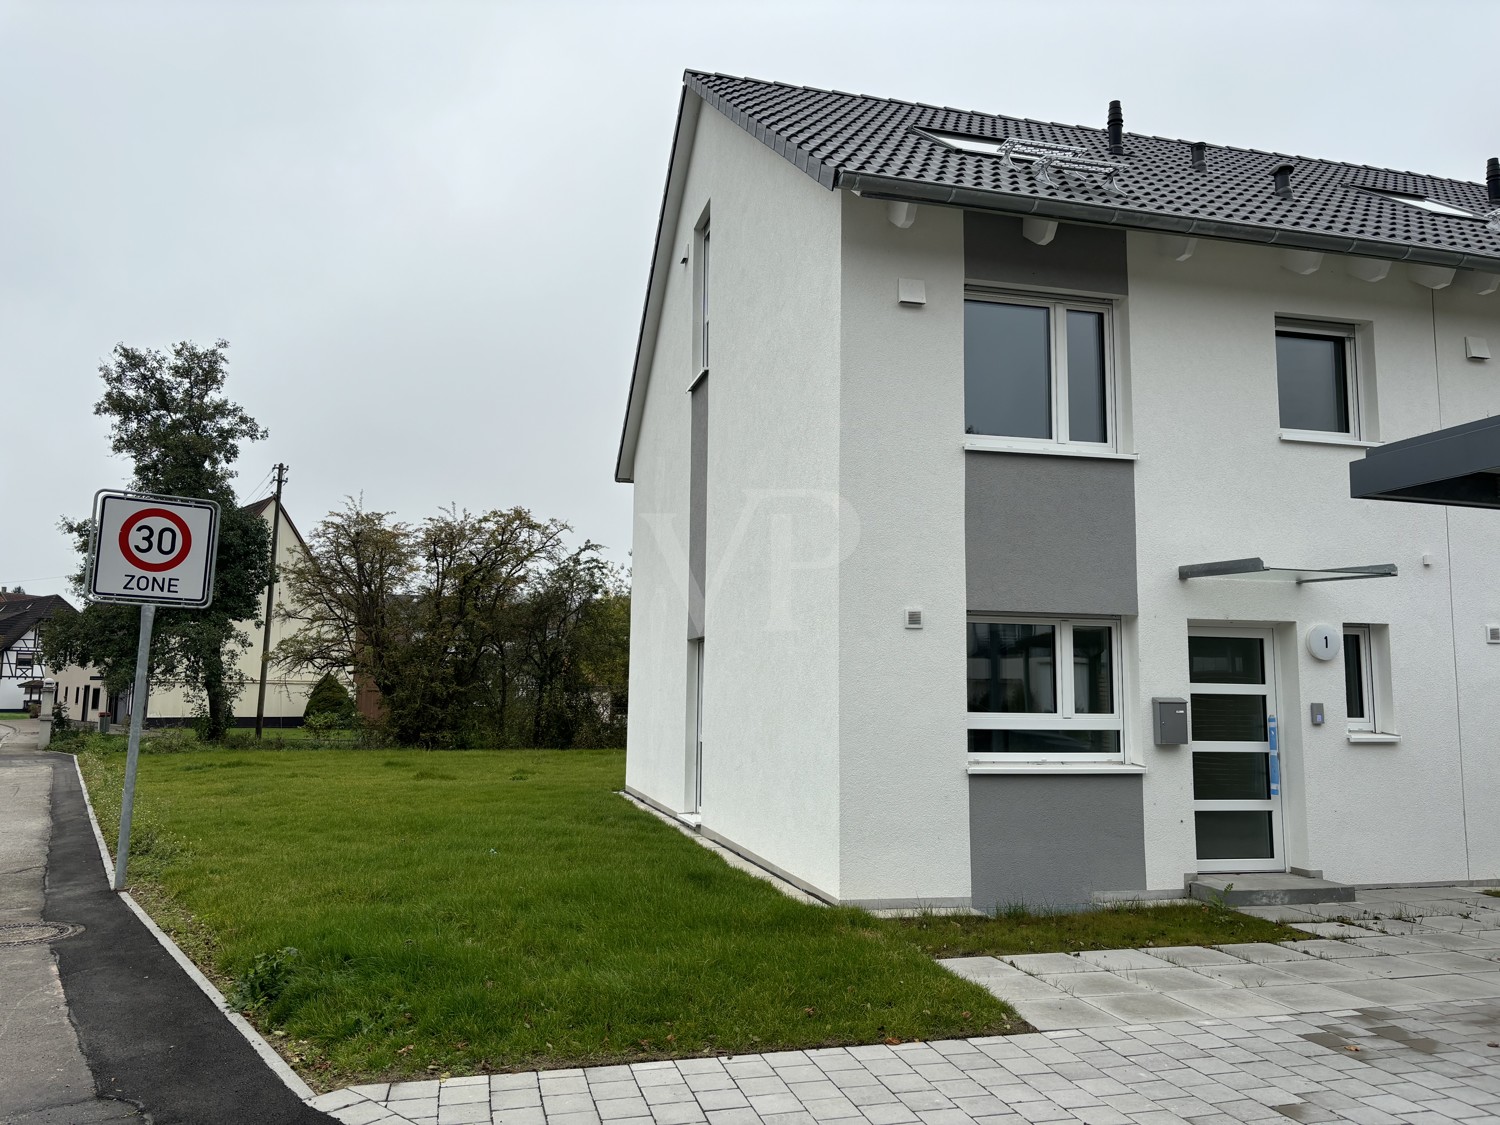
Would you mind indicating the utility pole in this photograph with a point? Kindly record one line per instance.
(265, 647)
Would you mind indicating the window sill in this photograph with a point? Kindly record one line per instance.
(1372, 738)
(982, 768)
(1320, 437)
(977, 444)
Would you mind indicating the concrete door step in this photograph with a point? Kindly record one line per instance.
(1267, 890)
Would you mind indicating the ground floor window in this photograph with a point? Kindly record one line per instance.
(1044, 689)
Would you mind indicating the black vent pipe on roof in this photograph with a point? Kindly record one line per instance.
(1492, 179)
(1200, 156)
(1116, 130)
(1282, 174)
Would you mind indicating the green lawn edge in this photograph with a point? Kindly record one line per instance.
(662, 952)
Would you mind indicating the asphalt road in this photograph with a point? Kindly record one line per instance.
(146, 1043)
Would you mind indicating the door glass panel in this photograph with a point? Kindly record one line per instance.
(1231, 777)
(1234, 835)
(1012, 668)
(1226, 660)
(1086, 401)
(1044, 743)
(1229, 718)
(1093, 679)
(1007, 369)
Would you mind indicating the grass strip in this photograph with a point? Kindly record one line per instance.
(398, 914)
(1128, 926)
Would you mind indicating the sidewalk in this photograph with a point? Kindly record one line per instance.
(99, 1023)
(1388, 1013)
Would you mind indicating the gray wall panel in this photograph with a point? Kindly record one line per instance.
(1050, 840)
(1049, 534)
(1083, 259)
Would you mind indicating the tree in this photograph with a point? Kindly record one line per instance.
(346, 594)
(169, 417)
(332, 699)
(476, 629)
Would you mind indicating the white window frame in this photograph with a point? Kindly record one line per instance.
(1361, 636)
(1064, 718)
(1349, 335)
(702, 291)
(1058, 307)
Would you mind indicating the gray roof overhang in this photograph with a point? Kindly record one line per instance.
(1459, 465)
(911, 191)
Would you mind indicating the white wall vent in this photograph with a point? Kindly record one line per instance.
(1492, 634)
(914, 618)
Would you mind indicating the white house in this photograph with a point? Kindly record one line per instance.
(23, 672)
(954, 464)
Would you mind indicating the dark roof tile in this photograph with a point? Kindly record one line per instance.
(838, 138)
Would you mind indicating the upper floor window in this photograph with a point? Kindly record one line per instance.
(700, 298)
(1038, 371)
(1317, 381)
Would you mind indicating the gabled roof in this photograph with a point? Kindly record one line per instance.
(261, 507)
(873, 145)
(20, 613)
(879, 147)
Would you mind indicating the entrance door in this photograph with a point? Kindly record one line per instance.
(1236, 768)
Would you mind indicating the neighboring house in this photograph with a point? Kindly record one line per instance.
(286, 691)
(930, 454)
(22, 670)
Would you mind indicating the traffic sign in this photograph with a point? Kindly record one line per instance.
(156, 550)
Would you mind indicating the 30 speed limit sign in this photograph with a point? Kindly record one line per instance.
(153, 549)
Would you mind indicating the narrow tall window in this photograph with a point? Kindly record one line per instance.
(703, 303)
(1359, 695)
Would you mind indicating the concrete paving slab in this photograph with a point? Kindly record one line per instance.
(1064, 1014)
(1172, 979)
(1456, 962)
(1116, 959)
(1019, 987)
(1331, 949)
(1395, 945)
(1309, 997)
(1385, 991)
(1230, 1002)
(1329, 971)
(1145, 1007)
(1050, 964)
(1332, 929)
(1262, 952)
(1481, 986)
(1246, 975)
(1088, 985)
(1191, 956)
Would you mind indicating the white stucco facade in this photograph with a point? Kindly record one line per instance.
(834, 743)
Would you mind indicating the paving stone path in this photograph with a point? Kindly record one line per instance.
(1387, 1014)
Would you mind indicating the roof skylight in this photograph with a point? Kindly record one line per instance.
(1423, 202)
(1045, 157)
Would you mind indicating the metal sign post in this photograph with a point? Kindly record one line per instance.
(149, 550)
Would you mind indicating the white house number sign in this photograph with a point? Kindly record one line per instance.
(153, 549)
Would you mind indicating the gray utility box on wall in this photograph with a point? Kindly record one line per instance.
(1170, 721)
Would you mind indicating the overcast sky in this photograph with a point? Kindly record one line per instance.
(425, 227)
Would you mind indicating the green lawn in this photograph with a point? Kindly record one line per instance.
(1113, 927)
(13, 715)
(479, 911)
